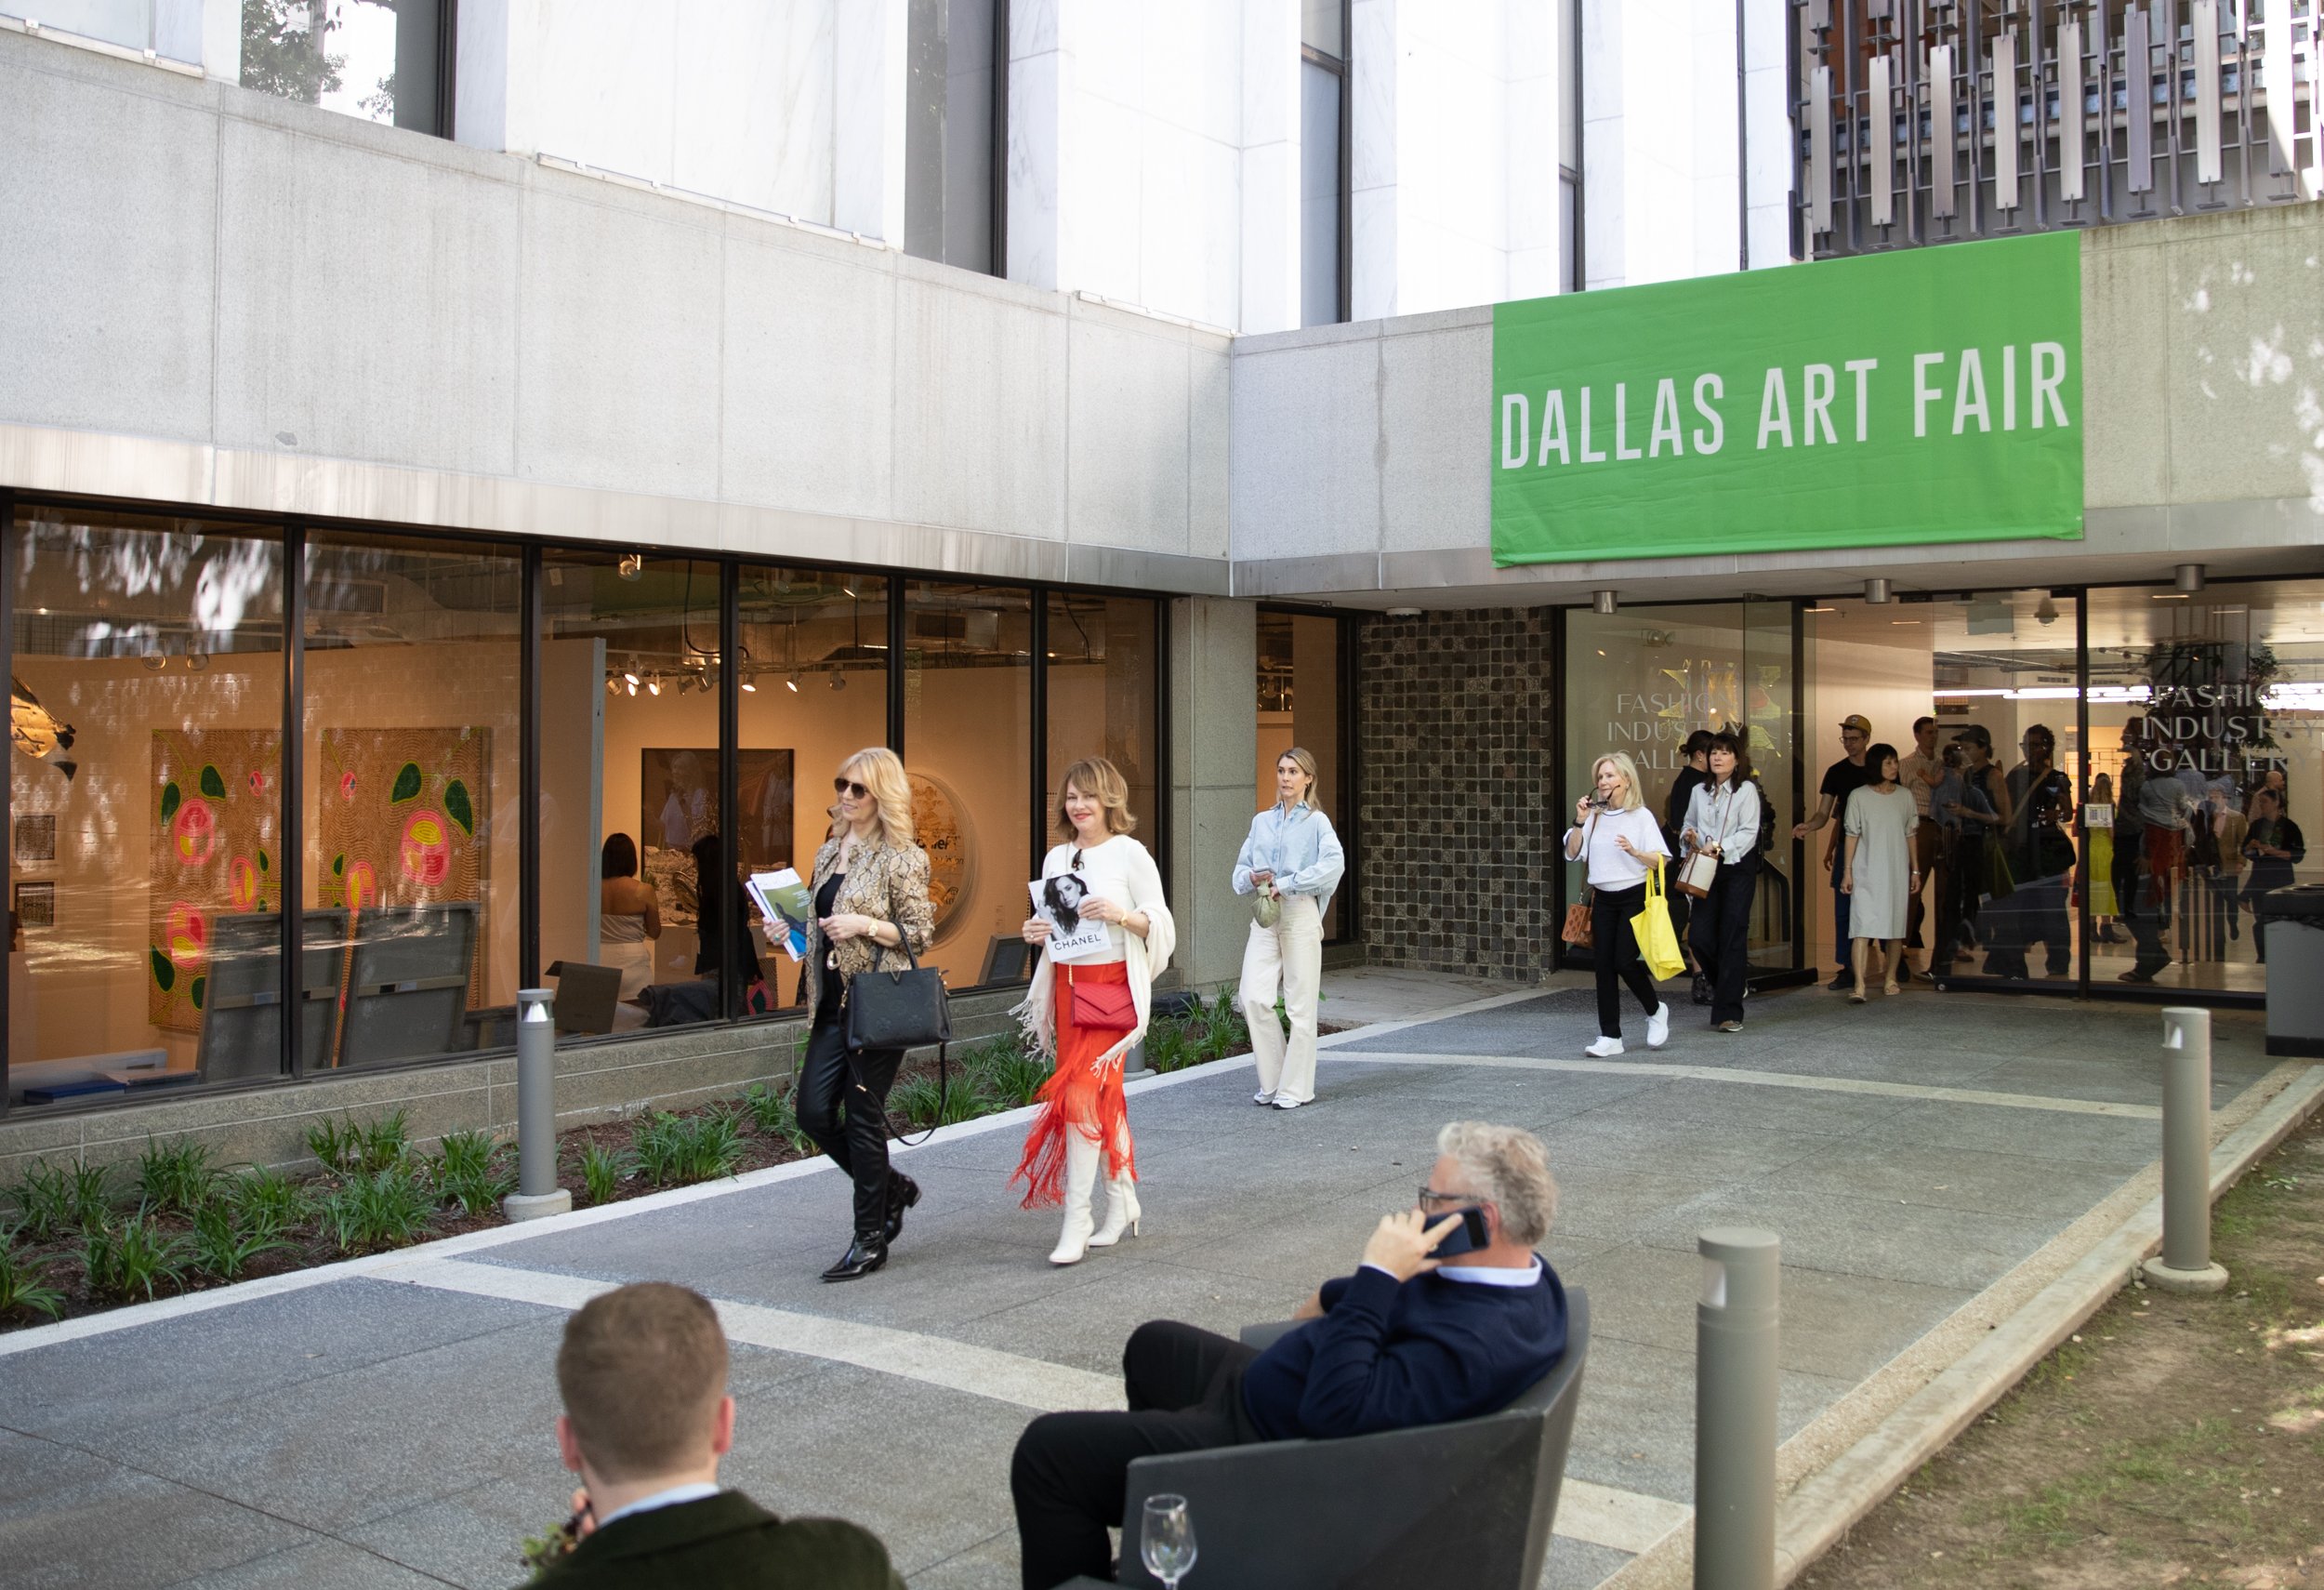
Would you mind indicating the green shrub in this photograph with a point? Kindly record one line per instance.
(473, 1172)
(135, 1258)
(603, 1170)
(372, 1210)
(1005, 1072)
(224, 1242)
(176, 1175)
(267, 1200)
(43, 1199)
(674, 1149)
(89, 1189)
(1167, 1047)
(915, 1100)
(775, 1112)
(22, 1287)
(347, 1146)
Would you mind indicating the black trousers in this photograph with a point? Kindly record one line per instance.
(1722, 935)
(1614, 953)
(828, 1077)
(1185, 1388)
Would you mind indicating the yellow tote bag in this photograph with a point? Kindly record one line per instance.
(1658, 940)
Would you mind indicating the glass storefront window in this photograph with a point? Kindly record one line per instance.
(1642, 679)
(2000, 876)
(814, 691)
(145, 794)
(413, 745)
(1102, 656)
(629, 776)
(2206, 774)
(968, 744)
(1300, 704)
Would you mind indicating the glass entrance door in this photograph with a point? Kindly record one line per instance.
(1641, 681)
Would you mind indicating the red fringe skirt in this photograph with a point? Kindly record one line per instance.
(1075, 1100)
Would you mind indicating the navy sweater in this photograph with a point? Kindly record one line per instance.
(1386, 1357)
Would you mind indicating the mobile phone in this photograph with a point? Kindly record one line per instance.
(1465, 1237)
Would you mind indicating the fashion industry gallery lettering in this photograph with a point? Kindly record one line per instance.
(1928, 395)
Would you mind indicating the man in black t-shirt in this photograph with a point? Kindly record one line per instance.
(1841, 779)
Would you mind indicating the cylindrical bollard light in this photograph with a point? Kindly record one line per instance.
(537, 1193)
(1735, 1411)
(2185, 1263)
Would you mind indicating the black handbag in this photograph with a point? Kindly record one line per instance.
(901, 1010)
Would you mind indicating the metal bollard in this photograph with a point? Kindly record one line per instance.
(1134, 1062)
(1735, 1411)
(537, 1193)
(2184, 1263)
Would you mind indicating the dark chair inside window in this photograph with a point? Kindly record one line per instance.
(586, 996)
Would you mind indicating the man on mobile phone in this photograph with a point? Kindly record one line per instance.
(1410, 1338)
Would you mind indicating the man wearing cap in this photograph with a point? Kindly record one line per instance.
(1841, 779)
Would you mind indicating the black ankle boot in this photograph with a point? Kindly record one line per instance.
(902, 1193)
(866, 1253)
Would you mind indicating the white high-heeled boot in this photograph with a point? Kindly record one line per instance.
(1081, 1180)
(1121, 1213)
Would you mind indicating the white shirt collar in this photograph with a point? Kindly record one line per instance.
(675, 1496)
(1492, 1275)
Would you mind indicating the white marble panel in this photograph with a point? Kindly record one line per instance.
(980, 385)
(1109, 45)
(1270, 73)
(1771, 235)
(1531, 145)
(1268, 246)
(1102, 213)
(1534, 272)
(617, 372)
(1768, 149)
(807, 376)
(1602, 26)
(1174, 224)
(1306, 427)
(1189, 56)
(1436, 414)
(483, 86)
(1602, 238)
(870, 71)
(1034, 28)
(1372, 65)
(600, 77)
(1127, 458)
(1765, 35)
(1372, 244)
(754, 109)
(339, 337)
(1035, 170)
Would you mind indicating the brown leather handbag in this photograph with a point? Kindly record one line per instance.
(1580, 931)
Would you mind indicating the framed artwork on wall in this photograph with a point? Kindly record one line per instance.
(36, 837)
(36, 903)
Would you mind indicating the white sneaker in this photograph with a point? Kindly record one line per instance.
(1263, 1098)
(1288, 1104)
(1604, 1049)
(1658, 1027)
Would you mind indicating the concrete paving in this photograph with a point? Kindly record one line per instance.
(388, 1423)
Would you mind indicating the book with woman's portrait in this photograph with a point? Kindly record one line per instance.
(1073, 937)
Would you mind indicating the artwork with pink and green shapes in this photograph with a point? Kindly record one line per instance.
(216, 818)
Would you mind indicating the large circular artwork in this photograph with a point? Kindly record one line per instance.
(941, 824)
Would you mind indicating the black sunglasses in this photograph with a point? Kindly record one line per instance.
(848, 787)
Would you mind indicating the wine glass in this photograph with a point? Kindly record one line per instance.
(1166, 1539)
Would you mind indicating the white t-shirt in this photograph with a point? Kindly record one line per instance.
(1114, 870)
(1610, 866)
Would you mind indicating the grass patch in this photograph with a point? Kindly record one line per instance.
(177, 1175)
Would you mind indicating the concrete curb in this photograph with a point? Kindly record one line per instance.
(1823, 1505)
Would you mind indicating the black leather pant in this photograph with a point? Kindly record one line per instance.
(829, 1076)
(1185, 1389)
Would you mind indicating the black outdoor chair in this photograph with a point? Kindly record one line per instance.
(1469, 1503)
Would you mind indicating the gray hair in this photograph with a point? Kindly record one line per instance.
(1508, 1166)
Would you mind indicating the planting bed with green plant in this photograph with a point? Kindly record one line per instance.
(78, 1239)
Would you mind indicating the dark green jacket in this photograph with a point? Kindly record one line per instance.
(722, 1542)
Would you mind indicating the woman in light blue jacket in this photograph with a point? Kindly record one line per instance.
(1292, 859)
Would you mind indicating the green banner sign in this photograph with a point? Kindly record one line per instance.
(1928, 395)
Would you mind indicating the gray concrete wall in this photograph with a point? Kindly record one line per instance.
(596, 1081)
(1362, 452)
(1214, 658)
(216, 297)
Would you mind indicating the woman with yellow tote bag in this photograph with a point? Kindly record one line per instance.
(1658, 936)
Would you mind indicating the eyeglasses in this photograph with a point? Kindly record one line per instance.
(1430, 1198)
(849, 787)
(1076, 860)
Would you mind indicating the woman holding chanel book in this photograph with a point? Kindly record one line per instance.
(872, 913)
(1087, 1014)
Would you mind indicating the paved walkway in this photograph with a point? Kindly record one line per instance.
(388, 1423)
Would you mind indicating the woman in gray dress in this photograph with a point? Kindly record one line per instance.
(1878, 875)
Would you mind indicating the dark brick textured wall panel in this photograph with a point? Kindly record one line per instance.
(1456, 726)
